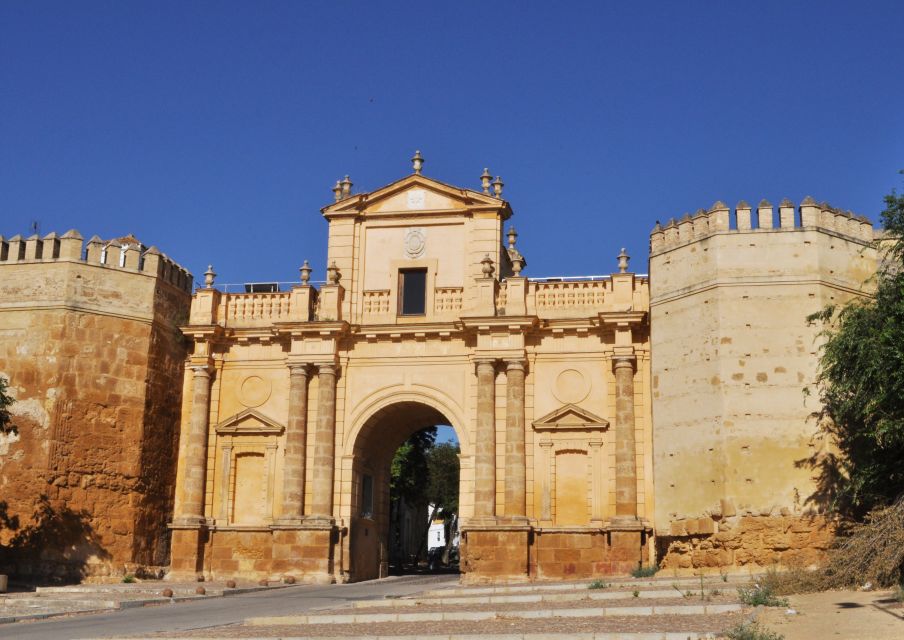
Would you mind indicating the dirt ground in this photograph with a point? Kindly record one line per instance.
(871, 615)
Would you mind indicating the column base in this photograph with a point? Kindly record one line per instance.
(187, 552)
(495, 553)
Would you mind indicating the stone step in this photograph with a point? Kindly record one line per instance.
(569, 596)
(708, 583)
(596, 612)
(604, 635)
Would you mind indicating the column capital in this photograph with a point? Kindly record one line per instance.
(515, 365)
(201, 370)
(327, 369)
(482, 363)
(624, 362)
(298, 368)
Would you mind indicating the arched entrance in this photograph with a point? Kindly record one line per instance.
(375, 444)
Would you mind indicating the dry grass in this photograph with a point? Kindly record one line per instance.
(868, 552)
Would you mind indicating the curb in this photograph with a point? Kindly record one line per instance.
(525, 598)
(657, 635)
(597, 612)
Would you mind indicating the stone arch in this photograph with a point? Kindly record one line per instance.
(379, 429)
(428, 396)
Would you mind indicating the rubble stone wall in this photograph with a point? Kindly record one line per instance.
(93, 357)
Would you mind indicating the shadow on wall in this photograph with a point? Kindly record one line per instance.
(56, 547)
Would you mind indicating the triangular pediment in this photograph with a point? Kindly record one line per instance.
(411, 195)
(570, 416)
(249, 422)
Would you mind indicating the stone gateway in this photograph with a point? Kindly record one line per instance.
(589, 445)
(604, 422)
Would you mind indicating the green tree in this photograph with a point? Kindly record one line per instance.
(6, 420)
(409, 468)
(443, 465)
(861, 384)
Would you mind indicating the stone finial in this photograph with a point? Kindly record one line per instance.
(764, 203)
(209, 276)
(346, 185)
(485, 179)
(487, 267)
(786, 202)
(72, 233)
(623, 259)
(497, 187)
(517, 262)
(332, 273)
(742, 204)
(305, 270)
(512, 237)
(417, 162)
(337, 191)
(808, 200)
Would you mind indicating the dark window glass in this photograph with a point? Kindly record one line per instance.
(367, 496)
(412, 292)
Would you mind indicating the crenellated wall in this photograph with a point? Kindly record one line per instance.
(732, 354)
(89, 341)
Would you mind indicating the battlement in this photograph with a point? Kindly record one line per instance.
(744, 219)
(126, 253)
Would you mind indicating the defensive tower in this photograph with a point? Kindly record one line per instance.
(732, 354)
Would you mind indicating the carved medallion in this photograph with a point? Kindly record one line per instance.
(254, 391)
(415, 242)
(571, 386)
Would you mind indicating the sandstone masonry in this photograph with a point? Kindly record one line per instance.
(90, 345)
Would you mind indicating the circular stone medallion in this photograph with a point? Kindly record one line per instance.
(415, 243)
(254, 391)
(571, 386)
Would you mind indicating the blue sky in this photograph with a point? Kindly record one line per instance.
(216, 129)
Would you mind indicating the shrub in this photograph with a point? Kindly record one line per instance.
(598, 584)
(128, 578)
(645, 572)
(760, 595)
(752, 631)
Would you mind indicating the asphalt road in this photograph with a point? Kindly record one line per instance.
(219, 611)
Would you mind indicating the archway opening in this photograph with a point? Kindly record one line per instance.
(405, 493)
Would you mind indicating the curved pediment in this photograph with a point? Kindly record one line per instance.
(249, 422)
(570, 417)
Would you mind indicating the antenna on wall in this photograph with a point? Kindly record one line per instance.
(35, 227)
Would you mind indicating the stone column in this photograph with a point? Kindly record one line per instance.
(485, 445)
(192, 507)
(296, 444)
(324, 444)
(515, 463)
(625, 467)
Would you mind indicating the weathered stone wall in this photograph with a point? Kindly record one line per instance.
(732, 355)
(746, 541)
(94, 361)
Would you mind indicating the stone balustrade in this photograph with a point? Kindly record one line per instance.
(256, 309)
(579, 295)
(376, 303)
(546, 297)
(447, 300)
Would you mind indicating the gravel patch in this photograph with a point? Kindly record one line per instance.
(638, 624)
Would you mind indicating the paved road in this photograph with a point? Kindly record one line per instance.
(219, 611)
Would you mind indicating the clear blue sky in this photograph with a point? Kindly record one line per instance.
(216, 129)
